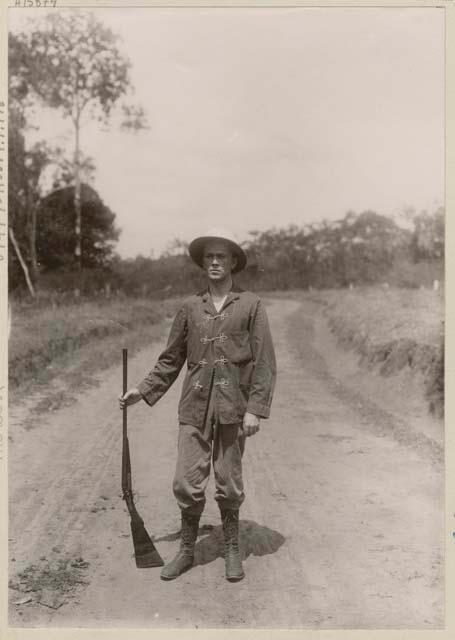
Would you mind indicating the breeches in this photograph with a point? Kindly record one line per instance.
(197, 448)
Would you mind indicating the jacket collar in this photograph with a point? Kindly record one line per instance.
(233, 294)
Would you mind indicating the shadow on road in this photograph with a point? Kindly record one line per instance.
(255, 539)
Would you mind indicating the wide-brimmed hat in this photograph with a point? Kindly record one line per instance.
(196, 247)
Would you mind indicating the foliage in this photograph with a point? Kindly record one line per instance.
(25, 167)
(71, 62)
(74, 64)
(167, 276)
(55, 237)
(428, 237)
(24, 193)
(358, 248)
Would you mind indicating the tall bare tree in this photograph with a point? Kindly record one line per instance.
(75, 66)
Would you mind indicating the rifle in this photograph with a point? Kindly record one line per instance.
(144, 550)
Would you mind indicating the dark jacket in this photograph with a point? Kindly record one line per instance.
(229, 353)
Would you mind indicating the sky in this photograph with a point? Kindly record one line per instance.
(262, 118)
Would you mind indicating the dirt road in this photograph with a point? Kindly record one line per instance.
(342, 526)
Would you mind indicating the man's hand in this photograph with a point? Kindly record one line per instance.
(250, 424)
(131, 397)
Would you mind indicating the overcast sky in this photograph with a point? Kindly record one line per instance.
(267, 117)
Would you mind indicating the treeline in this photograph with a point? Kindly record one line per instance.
(359, 249)
(62, 236)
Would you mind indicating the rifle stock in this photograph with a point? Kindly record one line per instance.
(145, 551)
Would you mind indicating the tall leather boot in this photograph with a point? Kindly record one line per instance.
(185, 556)
(232, 559)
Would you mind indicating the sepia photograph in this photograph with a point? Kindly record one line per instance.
(226, 302)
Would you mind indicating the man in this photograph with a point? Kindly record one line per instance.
(224, 336)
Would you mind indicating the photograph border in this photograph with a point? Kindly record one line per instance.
(340, 634)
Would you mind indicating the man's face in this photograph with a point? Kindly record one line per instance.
(218, 260)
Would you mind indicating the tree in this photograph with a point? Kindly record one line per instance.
(357, 248)
(74, 65)
(24, 169)
(27, 167)
(428, 235)
(55, 240)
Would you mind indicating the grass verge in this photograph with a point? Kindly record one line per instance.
(73, 341)
(391, 329)
(394, 329)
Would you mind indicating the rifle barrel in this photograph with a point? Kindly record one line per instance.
(126, 477)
